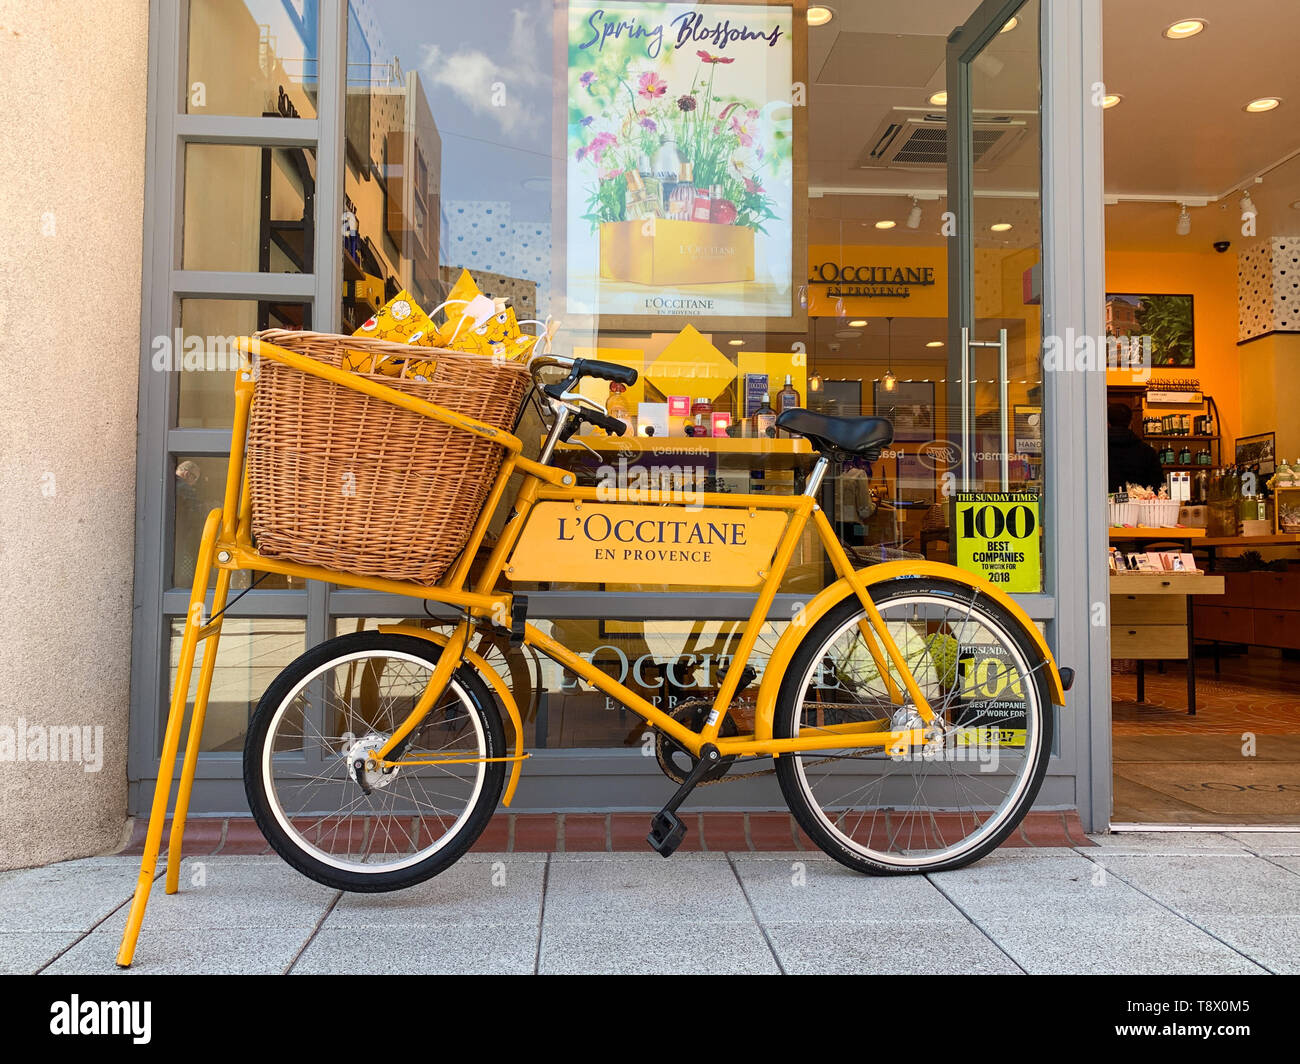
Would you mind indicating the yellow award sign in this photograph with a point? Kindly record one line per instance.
(599, 543)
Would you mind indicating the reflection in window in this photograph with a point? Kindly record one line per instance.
(207, 358)
(252, 57)
(253, 652)
(249, 208)
(200, 485)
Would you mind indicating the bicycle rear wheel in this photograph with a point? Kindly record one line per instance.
(919, 809)
(391, 828)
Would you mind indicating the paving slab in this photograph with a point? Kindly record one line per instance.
(235, 893)
(448, 949)
(501, 891)
(26, 952)
(711, 947)
(205, 951)
(1222, 883)
(71, 896)
(828, 892)
(887, 948)
(1271, 941)
(1279, 843)
(1176, 842)
(1139, 943)
(618, 889)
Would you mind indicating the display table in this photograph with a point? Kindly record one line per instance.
(1151, 618)
(1213, 543)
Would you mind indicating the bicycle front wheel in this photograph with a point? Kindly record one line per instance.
(917, 808)
(368, 828)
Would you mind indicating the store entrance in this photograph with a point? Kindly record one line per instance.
(1202, 280)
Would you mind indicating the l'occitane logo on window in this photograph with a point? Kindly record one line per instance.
(595, 543)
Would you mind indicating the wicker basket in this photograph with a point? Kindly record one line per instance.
(348, 482)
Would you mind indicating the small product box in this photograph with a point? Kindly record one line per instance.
(721, 421)
(652, 420)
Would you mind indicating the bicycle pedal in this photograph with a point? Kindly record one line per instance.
(666, 833)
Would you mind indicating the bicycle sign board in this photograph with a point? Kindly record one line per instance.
(597, 543)
(998, 535)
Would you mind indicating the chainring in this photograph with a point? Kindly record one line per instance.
(692, 713)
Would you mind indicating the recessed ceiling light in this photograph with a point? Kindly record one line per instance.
(736, 343)
(935, 343)
(1264, 103)
(820, 15)
(886, 224)
(1110, 100)
(940, 99)
(859, 324)
(1011, 24)
(1188, 27)
(1000, 227)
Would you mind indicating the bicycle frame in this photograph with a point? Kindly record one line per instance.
(227, 546)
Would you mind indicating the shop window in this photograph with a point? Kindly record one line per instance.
(200, 485)
(253, 58)
(253, 653)
(205, 358)
(669, 663)
(249, 208)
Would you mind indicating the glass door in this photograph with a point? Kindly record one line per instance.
(995, 264)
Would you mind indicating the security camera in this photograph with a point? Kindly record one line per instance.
(1222, 245)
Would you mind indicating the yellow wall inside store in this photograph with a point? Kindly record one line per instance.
(1270, 390)
(1211, 280)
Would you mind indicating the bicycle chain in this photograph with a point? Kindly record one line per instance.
(692, 712)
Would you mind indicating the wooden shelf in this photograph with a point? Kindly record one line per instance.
(1141, 532)
(690, 445)
(1166, 584)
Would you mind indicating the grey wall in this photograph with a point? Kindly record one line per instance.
(72, 155)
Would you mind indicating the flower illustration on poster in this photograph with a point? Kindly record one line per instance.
(680, 160)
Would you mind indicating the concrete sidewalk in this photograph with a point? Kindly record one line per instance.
(1157, 903)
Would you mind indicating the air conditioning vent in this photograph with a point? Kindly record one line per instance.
(912, 139)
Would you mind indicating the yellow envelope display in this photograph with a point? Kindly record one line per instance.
(401, 321)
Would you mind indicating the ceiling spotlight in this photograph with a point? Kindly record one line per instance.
(736, 343)
(859, 324)
(1264, 103)
(1188, 27)
(914, 215)
(1184, 221)
(820, 15)
(939, 99)
(886, 224)
(1011, 24)
(1001, 227)
(1110, 100)
(935, 343)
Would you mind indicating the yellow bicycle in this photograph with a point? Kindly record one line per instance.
(907, 707)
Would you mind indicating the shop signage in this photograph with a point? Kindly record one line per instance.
(998, 537)
(597, 543)
(680, 160)
(871, 282)
(990, 708)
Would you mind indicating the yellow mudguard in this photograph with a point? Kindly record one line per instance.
(785, 648)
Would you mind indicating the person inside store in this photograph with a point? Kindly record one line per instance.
(1132, 460)
(857, 502)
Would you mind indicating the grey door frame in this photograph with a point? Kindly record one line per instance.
(579, 778)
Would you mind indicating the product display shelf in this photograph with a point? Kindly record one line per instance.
(1142, 532)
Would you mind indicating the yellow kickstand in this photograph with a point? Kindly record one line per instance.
(194, 630)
